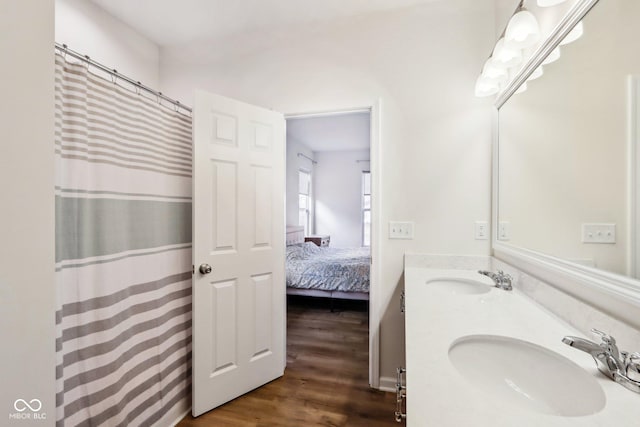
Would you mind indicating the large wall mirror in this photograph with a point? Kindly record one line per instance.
(566, 172)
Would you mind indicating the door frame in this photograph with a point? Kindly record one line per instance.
(633, 177)
(375, 149)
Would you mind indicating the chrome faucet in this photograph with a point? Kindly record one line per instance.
(501, 280)
(622, 367)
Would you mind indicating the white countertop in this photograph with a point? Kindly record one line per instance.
(437, 395)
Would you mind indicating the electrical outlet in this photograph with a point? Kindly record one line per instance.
(482, 230)
(504, 230)
(400, 230)
(598, 233)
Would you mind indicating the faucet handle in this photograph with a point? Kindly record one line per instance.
(606, 338)
(632, 365)
(610, 343)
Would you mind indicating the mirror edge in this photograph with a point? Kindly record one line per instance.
(608, 291)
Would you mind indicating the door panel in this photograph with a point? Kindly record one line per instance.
(238, 308)
(224, 199)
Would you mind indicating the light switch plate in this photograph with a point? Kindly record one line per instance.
(482, 230)
(598, 233)
(400, 230)
(504, 230)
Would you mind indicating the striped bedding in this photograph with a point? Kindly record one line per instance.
(328, 269)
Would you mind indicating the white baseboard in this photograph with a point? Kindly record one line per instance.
(387, 384)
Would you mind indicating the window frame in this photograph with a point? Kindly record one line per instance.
(309, 197)
(364, 209)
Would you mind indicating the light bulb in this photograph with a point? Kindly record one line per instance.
(494, 72)
(522, 31)
(574, 34)
(506, 57)
(553, 56)
(547, 3)
(486, 87)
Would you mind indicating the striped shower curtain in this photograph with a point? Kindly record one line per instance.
(123, 254)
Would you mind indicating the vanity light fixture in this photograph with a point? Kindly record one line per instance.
(548, 3)
(522, 31)
(506, 57)
(486, 86)
(521, 35)
(519, 38)
(574, 34)
(491, 79)
(492, 71)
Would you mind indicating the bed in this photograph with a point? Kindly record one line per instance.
(326, 272)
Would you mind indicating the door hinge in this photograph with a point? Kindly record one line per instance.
(193, 269)
(401, 395)
(402, 302)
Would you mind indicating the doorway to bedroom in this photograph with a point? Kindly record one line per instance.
(329, 241)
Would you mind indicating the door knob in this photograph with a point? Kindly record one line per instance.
(205, 268)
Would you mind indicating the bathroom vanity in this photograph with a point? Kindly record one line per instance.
(482, 356)
(565, 227)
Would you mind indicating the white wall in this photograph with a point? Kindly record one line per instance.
(422, 62)
(338, 196)
(294, 164)
(27, 292)
(87, 29)
(339, 131)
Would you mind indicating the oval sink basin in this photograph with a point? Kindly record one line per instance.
(459, 286)
(521, 373)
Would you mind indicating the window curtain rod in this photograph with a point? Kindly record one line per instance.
(64, 50)
(308, 158)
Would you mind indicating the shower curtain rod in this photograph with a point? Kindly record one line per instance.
(308, 158)
(66, 51)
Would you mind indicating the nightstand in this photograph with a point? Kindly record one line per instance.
(321, 240)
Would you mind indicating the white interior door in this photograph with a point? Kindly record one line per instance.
(238, 229)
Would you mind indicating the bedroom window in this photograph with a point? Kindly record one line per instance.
(366, 208)
(304, 201)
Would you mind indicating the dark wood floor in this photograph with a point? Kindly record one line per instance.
(326, 380)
